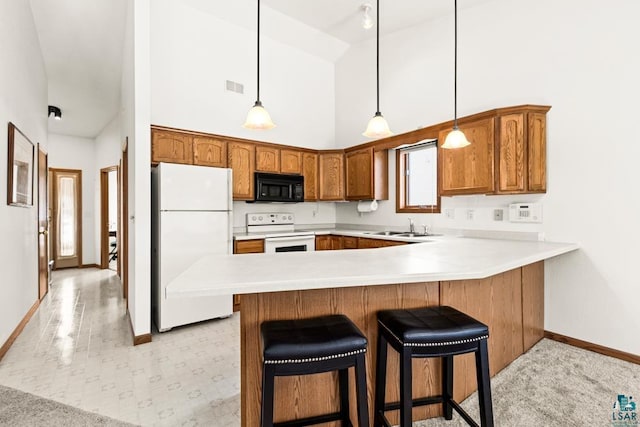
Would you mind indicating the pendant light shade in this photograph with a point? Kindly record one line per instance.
(378, 126)
(258, 117)
(455, 138)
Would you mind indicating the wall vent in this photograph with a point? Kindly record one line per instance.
(235, 87)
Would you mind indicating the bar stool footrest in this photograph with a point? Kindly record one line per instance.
(424, 401)
(318, 419)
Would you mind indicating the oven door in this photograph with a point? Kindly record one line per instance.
(289, 244)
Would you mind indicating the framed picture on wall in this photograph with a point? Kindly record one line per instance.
(20, 169)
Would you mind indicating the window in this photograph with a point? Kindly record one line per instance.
(417, 175)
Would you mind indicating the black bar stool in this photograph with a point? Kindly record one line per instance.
(431, 332)
(311, 346)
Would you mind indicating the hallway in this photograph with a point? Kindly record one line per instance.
(77, 349)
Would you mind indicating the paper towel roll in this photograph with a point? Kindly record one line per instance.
(367, 205)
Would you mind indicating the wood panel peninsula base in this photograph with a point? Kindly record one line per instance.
(510, 303)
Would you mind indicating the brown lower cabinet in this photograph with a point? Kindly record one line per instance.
(325, 243)
(254, 246)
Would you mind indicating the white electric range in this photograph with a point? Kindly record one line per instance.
(279, 232)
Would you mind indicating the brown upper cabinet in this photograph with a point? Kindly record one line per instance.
(310, 173)
(290, 161)
(468, 170)
(267, 159)
(366, 174)
(209, 152)
(537, 151)
(521, 151)
(331, 165)
(242, 160)
(171, 147)
(507, 154)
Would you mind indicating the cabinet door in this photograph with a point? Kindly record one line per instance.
(310, 173)
(254, 246)
(171, 147)
(537, 152)
(331, 176)
(511, 154)
(365, 243)
(359, 174)
(209, 152)
(242, 159)
(267, 159)
(336, 243)
(349, 242)
(468, 170)
(290, 161)
(323, 243)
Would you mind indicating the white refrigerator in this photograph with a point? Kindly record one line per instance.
(191, 217)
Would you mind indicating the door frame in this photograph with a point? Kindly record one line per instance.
(54, 227)
(104, 215)
(43, 198)
(123, 242)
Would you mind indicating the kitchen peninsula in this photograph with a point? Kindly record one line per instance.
(499, 282)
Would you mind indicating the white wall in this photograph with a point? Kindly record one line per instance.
(193, 53)
(575, 56)
(73, 152)
(135, 100)
(23, 101)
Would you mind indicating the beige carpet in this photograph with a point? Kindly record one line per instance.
(18, 408)
(556, 385)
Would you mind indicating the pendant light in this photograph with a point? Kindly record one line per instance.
(258, 117)
(378, 126)
(455, 138)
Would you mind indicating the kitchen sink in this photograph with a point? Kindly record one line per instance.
(387, 233)
(417, 235)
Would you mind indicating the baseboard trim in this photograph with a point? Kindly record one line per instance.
(628, 357)
(16, 332)
(89, 266)
(138, 339)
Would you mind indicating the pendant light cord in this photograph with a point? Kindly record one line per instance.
(455, 65)
(258, 58)
(378, 57)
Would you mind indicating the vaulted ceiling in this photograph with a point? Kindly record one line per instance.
(82, 43)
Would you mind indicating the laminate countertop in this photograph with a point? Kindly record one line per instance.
(437, 259)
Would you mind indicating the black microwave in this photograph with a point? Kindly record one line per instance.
(272, 187)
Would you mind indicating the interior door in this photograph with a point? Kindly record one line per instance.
(43, 225)
(67, 217)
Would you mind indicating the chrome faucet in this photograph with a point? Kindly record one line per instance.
(412, 228)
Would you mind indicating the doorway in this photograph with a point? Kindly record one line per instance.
(43, 224)
(110, 218)
(66, 225)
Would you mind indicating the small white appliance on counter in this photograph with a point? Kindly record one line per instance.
(191, 216)
(279, 232)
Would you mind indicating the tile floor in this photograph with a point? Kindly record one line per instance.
(77, 350)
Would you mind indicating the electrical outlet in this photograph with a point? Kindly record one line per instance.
(470, 214)
(450, 213)
(498, 215)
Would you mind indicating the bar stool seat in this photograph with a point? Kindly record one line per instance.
(310, 346)
(431, 332)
